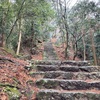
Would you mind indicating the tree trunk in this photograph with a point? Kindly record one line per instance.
(33, 39)
(3, 40)
(93, 47)
(75, 54)
(3, 35)
(66, 49)
(33, 35)
(84, 49)
(18, 18)
(83, 40)
(19, 40)
(64, 19)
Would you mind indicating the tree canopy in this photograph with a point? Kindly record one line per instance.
(32, 21)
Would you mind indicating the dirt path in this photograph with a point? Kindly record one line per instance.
(49, 52)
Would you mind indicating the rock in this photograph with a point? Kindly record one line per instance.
(67, 80)
(67, 84)
(47, 67)
(79, 69)
(57, 95)
(75, 63)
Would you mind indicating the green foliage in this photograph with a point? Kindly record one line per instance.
(12, 92)
(36, 12)
(83, 16)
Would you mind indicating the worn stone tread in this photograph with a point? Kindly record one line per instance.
(49, 52)
(80, 69)
(46, 62)
(94, 91)
(68, 84)
(67, 75)
(65, 80)
(47, 67)
(71, 75)
(68, 68)
(59, 62)
(77, 63)
(68, 95)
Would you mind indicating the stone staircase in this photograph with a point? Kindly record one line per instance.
(49, 52)
(67, 80)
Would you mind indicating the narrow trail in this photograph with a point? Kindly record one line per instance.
(49, 52)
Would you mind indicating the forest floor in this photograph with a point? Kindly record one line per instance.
(15, 77)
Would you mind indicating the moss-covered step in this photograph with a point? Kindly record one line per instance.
(67, 84)
(71, 75)
(67, 95)
(37, 74)
(47, 67)
(50, 53)
(66, 75)
(80, 68)
(46, 62)
(68, 68)
(58, 62)
(75, 63)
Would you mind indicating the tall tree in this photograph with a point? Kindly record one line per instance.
(85, 15)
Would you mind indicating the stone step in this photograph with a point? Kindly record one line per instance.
(80, 69)
(68, 68)
(34, 74)
(47, 67)
(67, 84)
(46, 62)
(71, 75)
(58, 62)
(68, 95)
(75, 63)
(67, 75)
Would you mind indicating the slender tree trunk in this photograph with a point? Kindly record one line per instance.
(66, 49)
(75, 54)
(33, 36)
(3, 40)
(3, 35)
(84, 49)
(64, 19)
(93, 47)
(83, 40)
(17, 18)
(19, 40)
